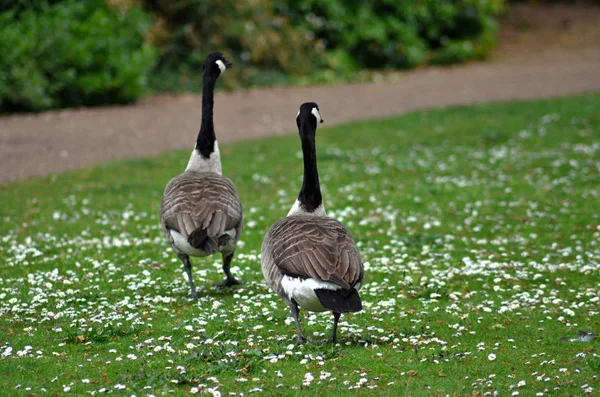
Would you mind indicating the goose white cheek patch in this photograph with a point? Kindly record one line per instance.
(221, 65)
(316, 113)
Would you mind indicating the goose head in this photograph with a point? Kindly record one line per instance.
(216, 64)
(309, 113)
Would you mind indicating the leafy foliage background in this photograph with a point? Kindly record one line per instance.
(63, 53)
(69, 53)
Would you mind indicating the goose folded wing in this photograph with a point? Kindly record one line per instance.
(323, 251)
(214, 208)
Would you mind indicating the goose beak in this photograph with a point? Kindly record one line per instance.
(321, 122)
(228, 64)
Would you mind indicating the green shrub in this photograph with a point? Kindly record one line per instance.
(278, 41)
(391, 33)
(19, 6)
(72, 53)
(263, 45)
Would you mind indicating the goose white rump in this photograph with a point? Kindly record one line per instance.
(303, 291)
(182, 244)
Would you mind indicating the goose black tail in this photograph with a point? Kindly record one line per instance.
(340, 301)
(199, 239)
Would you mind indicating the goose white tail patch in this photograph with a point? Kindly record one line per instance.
(303, 291)
(182, 245)
(221, 65)
(231, 233)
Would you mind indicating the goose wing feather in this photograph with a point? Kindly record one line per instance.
(315, 247)
(200, 201)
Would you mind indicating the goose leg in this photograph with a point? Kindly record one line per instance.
(336, 319)
(294, 309)
(188, 269)
(230, 280)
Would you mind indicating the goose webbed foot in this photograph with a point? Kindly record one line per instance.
(229, 282)
(301, 340)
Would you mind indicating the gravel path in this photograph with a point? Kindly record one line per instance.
(32, 145)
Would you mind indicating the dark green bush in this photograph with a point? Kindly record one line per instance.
(273, 41)
(391, 33)
(58, 53)
(263, 45)
(72, 53)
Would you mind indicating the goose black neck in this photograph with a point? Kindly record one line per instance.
(205, 142)
(310, 194)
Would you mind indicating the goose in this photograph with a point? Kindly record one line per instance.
(200, 211)
(307, 258)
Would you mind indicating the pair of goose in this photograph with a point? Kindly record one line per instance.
(308, 259)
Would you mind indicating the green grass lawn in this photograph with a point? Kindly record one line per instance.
(478, 227)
